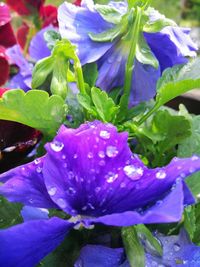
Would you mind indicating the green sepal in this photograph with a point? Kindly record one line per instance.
(158, 24)
(144, 54)
(134, 250)
(109, 13)
(106, 36)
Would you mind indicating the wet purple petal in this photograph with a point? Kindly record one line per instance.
(76, 22)
(100, 255)
(25, 184)
(31, 213)
(26, 244)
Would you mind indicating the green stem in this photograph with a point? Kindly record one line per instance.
(130, 65)
(79, 75)
(146, 116)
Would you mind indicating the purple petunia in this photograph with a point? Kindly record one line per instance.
(177, 251)
(170, 46)
(91, 174)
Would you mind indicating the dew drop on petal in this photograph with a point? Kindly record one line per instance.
(132, 172)
(90, 155)
(75, 156)
(101, 154)
(56, 146)
(71, 191)
(195, 158)
(38, 169)
(91, 206)
(37, 161)
(191, 170)
(111, 151)
(61, 203)
(97, 189)
(161, 174)
(111, 177)
(122, 185)
(177, 247)
(104, 134)
(102, 163)
(52, 191)
(63, 156)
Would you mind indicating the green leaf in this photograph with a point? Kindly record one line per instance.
(59, 78)
(35, 109)
(133, 248)
(87, 103)
(42, 69)
(178, 80)
(90, 73)
(158, 24)
(9, 213)
(190, 221)
(196, 236)
(109, 13)
(151, 242)
(106, 36)
(190, 147)
(144, 54)
(105, 106)
(172, 129)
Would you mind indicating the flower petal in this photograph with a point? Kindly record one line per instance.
(5, 16)
(165, 211)
(32, 213)
(75, 23)
(4, 66)
(111, 68)
(171, 45)
(38, 47)
(26, 244)
(49, 15)
(100, 255)
(84, 167)
(25, 7)
(25, 184)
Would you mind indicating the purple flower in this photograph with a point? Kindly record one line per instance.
(177, 251)
(38, 49)
(170, 46)
(91, 174)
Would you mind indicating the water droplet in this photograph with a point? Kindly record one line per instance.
(161, 174)
(194, 158)
(132, 172)
(37, 161)
(159, 202)
(71, 191)
(75, 156)
(104, 134)
(38, 169)
(52, 191)
(191, 170)
(31, 200)
(111, 177)
(122, 185)
(178, 180)
(61, 203)
(56, 146)
(71, 175)
(84, 208)
(97, 189)
(63, 156)
(183, 175)
(102, 163)
(177, 247)
(90, 155)
(111, 151)
(65, 165)
(101, 154)
(91, 206)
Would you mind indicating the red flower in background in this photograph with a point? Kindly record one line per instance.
(25, 7)
(4, 66)
(48, 15)
(77, 2)
(7, 37)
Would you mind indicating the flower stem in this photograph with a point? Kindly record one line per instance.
(130, 65)
(79, 75)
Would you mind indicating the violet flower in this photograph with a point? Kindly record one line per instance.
(170, 46)
(38, 49)
(177, 251)
(91, 174)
